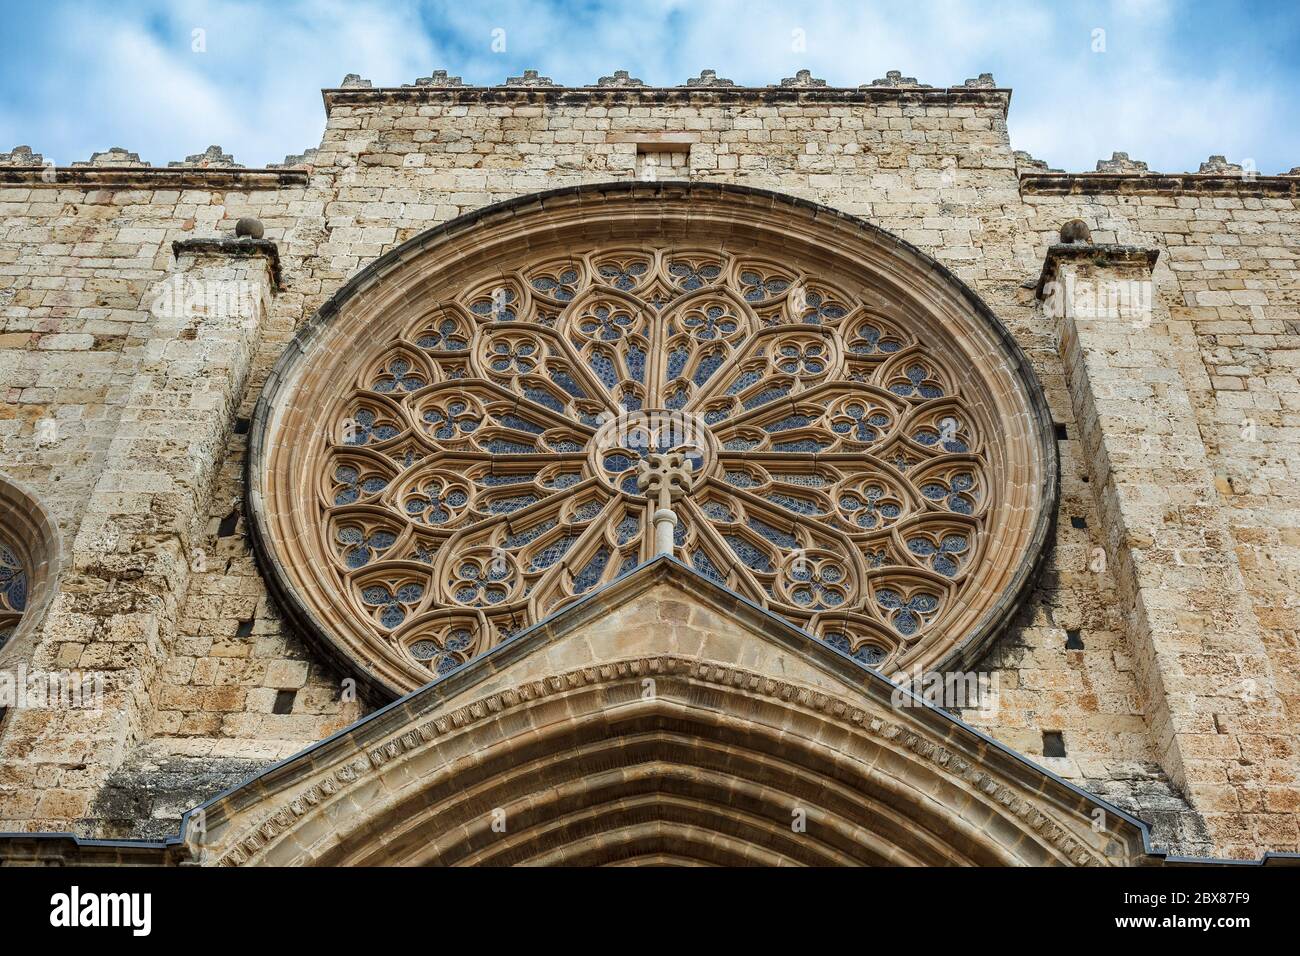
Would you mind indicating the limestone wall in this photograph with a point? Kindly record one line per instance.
(80, 260)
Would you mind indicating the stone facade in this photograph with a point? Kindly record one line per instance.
(1160, 643)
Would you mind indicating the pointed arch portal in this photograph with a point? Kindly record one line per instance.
(661, 720)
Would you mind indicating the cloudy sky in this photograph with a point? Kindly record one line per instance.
(1168, 81)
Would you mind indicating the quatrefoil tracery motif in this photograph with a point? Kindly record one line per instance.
(844, 485)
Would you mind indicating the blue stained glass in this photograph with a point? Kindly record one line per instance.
(691, 278)
(354, 487)
(561, 290)
(929, 437)
(701, 563)
(552, 553)
(954, 495)
(838, 641)
(717, 511)
(775, 535)
(790, 503)
(745, 380)
(500, 446)
(392, 613)
(756, 288)
(521, 538)
(916, 375)
(754, 558)
(804, 446)
(423, 650)
(444, 337)
(603, 366)
(628, 528)
(492, 481)
(715, 415)
(504, 506)
(765, 396)
(906, 618)
(544, 398)
(636, 362)
(364, 430)
(708, 365)
(624, 278)
(677, 360)
(566, 382)
(590, 574)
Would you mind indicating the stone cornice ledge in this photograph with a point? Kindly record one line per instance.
(999, 97)
(1076, 184)
(237, 248)
(1107, 255)
(150, 177)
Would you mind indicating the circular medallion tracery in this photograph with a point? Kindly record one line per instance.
(458, 457)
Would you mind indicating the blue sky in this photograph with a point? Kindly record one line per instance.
(1176, 81)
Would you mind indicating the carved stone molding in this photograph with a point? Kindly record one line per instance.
(424, 494)
(31, 557)
(1034, 816)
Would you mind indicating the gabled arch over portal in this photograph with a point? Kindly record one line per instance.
(669, 751)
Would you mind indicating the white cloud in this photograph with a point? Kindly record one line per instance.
(121, 79)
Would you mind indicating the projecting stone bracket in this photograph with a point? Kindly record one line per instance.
(1099, 256)
(235, 248)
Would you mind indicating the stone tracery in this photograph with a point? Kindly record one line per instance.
(484, 469)
(13, 589)
(450, 453)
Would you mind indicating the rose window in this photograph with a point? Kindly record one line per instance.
(13, 590)
(482, 478)
(466, 461)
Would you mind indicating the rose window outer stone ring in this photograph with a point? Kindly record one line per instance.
(469, 436)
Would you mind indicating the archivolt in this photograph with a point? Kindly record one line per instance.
(667, 760)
